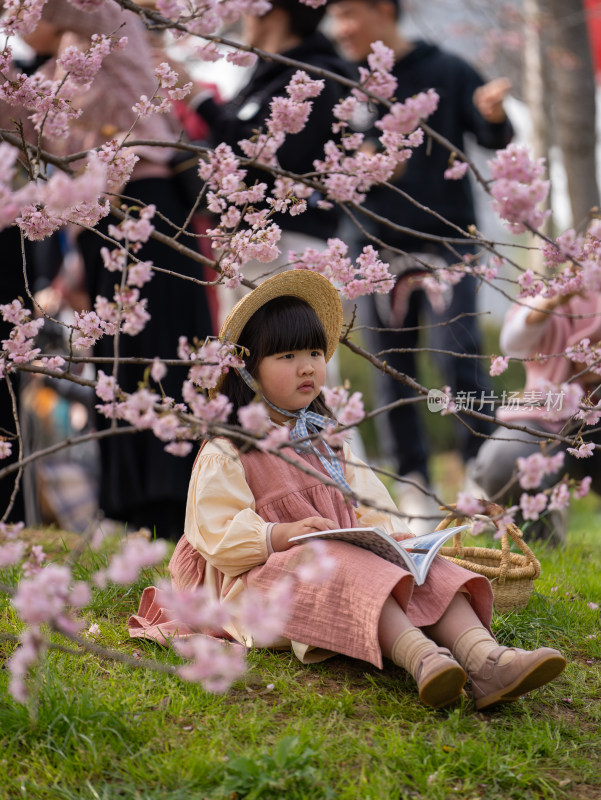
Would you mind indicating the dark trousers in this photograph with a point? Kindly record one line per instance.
(141, 484)
(404, 426)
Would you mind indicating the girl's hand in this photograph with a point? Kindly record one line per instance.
(284, 531)
(400, 536)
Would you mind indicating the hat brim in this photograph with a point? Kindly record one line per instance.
(309, 286)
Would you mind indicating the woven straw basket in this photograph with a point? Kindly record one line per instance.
(512, 575)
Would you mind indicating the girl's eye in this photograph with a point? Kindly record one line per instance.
(317, 353)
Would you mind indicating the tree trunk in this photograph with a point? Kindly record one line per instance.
(572, 88)
(535, 97)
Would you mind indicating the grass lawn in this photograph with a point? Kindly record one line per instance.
(340, 729)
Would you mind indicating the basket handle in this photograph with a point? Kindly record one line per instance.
(454, 518)
(494, 511)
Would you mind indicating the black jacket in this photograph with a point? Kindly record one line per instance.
(247, 111)
(422, 176)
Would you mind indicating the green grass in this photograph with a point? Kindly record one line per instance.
(340, 729)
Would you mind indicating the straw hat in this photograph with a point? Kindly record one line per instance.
(311, 287)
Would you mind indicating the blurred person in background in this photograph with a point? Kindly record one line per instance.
(467, 106)
(141, 484)
(533, 327)
(290, 29)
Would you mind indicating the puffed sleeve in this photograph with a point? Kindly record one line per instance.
(518, 338)
(363, 480)
(221, 522)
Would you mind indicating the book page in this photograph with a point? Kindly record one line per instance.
(414, 554)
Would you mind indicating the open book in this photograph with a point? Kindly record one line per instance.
(414, 554)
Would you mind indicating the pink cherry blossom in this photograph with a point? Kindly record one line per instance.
(533, 505)
(21, 17)
(6, 448)
(158, 370)
(498, 365)
(585, 450)
(20, 344)
(381, 57)
(353, 412)
(315, 564)
(139, 409)
(301, 87)
(591, 414)
(405, 117)
(135, 555)
(456, 171)
(368, 275)
(255, 418)
(241, 59)
(213, 664)
(119, 162)
(135, 230)
(532, 470)
(469, 505)
(275, 439)
(560, 497)
(82, 67)
(518, 188)
(208, 52)
(32, 646)
(206, 411)
(52, 362)
(11, 530)
(92, 328)
(43, 596)
(11, 553)
(106, 386)
(583, 488)
(288, 115)
(139, 273)
(264, 613)
(167, 428)
(179, 449)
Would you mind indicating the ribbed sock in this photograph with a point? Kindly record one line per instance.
(473, 645)
(409, 649)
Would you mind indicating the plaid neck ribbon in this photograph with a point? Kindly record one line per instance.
(307, 422)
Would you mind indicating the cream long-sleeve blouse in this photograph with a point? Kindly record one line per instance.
(222, 524)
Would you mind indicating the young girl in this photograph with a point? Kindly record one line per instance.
(244, 507)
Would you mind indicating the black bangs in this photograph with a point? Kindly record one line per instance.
(284, 323)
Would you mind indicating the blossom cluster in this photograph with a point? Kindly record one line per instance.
(19, 348)
(347, 408)
(48, 595)
(41, 208)
(49, 102)
(518, 188)
(367, 275)
(161, 104)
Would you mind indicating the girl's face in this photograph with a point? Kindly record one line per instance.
(292, 380)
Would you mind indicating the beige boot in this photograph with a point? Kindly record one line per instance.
(504, 682)
(439, 678)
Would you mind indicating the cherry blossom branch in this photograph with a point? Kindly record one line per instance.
(67, 442)
(85, 646)
(15, 411)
